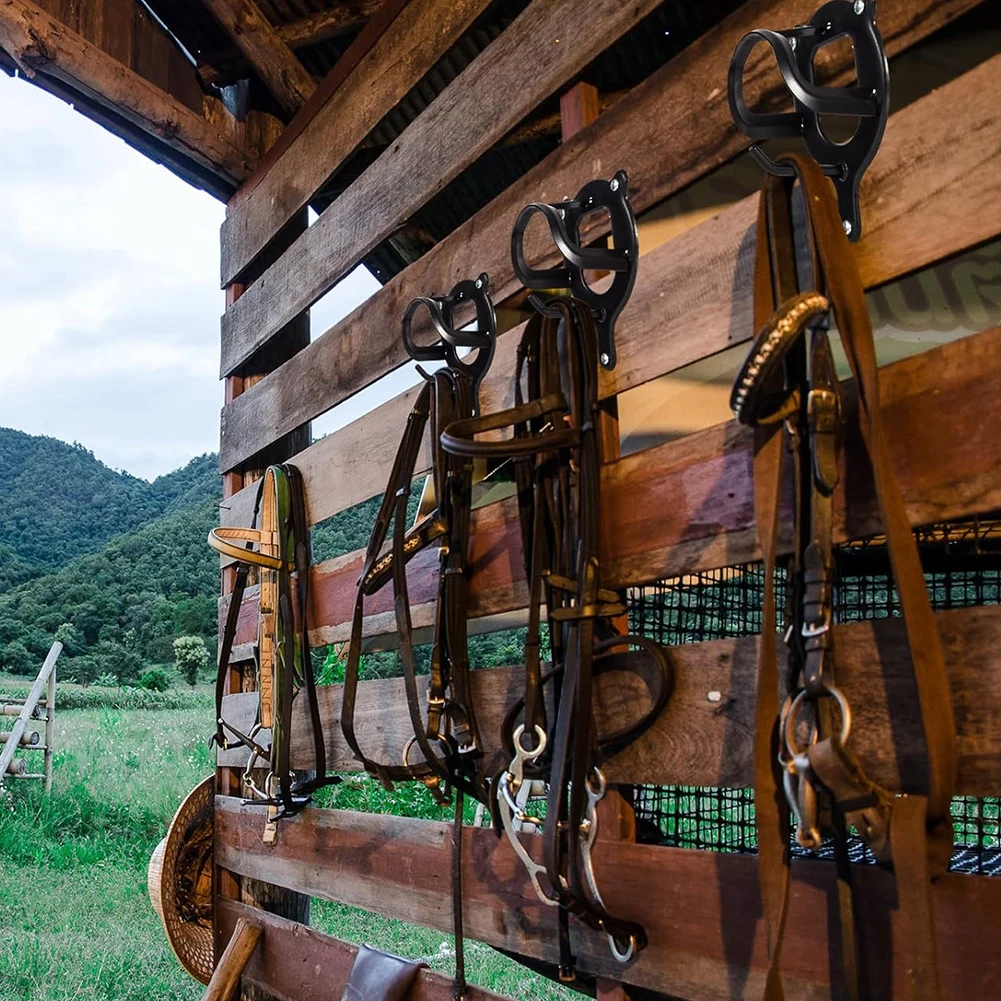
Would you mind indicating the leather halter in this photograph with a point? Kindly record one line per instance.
(556, 454)
(284, 667)
(788, 391)
(449, 741)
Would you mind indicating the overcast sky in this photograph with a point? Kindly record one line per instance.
(109, 292)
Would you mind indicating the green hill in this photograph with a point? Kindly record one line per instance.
(136, 572)
(60, 502)
(118, 566)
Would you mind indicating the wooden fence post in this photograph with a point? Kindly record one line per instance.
(292, 339)
(50, 727)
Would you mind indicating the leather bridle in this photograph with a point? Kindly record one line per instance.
(556, 453)
(284, 667)
(446, 733)
(788, 391)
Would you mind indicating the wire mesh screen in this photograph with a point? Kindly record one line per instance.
(962, 562)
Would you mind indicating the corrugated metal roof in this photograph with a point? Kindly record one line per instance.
(653, 42)
(640, 52)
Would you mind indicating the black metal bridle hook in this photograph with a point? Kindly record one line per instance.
(564, 221)
(442, 309)
(868, 102)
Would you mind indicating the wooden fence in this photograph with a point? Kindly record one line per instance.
(933, 191)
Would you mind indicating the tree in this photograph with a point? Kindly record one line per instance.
(190, 656)
(16, 658)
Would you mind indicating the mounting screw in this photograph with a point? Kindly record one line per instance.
(604, 354)
(847, 227)
(859, 7)
(479, 283)
(614, 184)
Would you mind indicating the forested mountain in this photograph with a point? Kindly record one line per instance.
(60, 502)
(115, 565)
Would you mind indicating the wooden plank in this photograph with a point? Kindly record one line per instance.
(240, 677)
(229, 65)
(423, 30)
(539, 51)
(687, 504)
(274, 62)
(702, 911)
(40, 44)
(243, 940)
(692, 295)
(366, 446)
(704, 737)
(341, 70)
(297, 963)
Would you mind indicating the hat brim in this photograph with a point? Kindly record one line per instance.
(180, 882)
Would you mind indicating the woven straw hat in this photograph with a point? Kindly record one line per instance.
(180, 882)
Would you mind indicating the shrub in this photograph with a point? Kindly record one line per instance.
(119, 698)
(16, 659)
(190, 656)
(154, 679)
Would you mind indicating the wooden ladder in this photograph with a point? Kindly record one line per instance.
(26, 710)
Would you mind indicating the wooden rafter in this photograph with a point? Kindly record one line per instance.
(44, 46)
(259, 41)
(226, 65)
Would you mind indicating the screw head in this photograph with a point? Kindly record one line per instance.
(614, 184)
(479, 283)
(847, 226)
(859, 7)
(604, 357)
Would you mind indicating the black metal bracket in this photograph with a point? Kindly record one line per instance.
(868, 101)
(482, 338)
(564, 220)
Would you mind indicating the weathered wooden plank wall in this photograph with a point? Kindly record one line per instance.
(701, 910)
(678, 507)
(539, 52)
(692, 296)
(687, 505)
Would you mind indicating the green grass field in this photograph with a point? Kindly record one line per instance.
(77, 922)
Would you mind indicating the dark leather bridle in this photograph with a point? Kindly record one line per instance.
(445, 730)
(556, 453)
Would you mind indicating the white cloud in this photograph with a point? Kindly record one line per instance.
(109, 297)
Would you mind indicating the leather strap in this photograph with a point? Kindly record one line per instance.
(556, 453)
(920, 829)
(287, 672)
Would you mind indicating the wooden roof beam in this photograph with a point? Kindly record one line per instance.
(259, 41)
(227, 65)
(44, 46)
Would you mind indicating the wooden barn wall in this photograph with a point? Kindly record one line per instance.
(683, 505)
(126, 31)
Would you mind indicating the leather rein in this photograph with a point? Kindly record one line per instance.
(789, 393)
